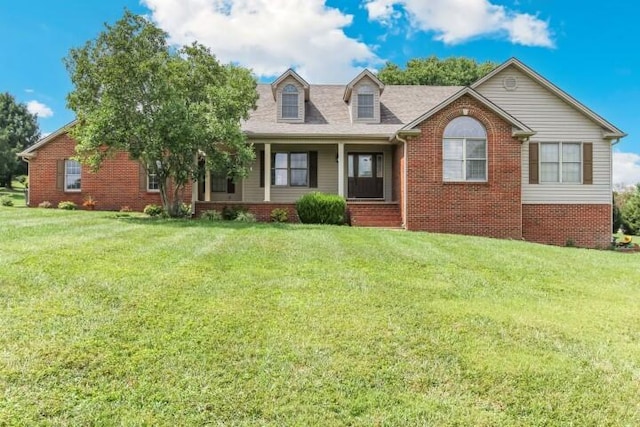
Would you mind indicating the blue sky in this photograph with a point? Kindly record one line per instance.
(586, 48)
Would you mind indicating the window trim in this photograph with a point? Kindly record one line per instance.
(289, 169)
(560, 162)
(67, 174)
(464, 159)
(149, 181)
(366, 91)
(294, 93)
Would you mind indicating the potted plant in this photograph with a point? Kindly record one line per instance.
(89, 203)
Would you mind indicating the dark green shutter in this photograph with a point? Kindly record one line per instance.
(142, 178)
(533, 163)
(587, 163)
(313, 169)
(60, 174)
(231, 186)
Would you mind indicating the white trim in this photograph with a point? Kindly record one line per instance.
(267, 172)
(341, 164)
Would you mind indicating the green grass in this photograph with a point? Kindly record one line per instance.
(131, 321)
(16, 194)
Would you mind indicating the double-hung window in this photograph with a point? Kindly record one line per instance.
(289, 102)
(152, 181)
(560, 162)
(290, 169)
(365, 102)
(72, 175)
(464, 150)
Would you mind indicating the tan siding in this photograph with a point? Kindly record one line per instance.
(327, 174)
(376, 101)
(553, 120)
(285, 82)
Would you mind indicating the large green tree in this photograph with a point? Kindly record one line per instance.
(436, 72)
(631, 212)
(164, 106)
(18, 130)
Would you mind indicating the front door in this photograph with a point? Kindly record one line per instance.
(366, 171)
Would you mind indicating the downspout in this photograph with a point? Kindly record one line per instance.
(404, 178)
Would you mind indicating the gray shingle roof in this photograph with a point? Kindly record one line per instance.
(327, 114)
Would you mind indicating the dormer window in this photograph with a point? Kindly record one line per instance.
(289, 102)
(365, 102)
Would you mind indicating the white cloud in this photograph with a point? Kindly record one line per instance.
(269, 35)
(40, 109)
(626, 169)
(456, 21)
(29, 90)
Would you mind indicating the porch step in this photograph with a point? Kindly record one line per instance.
(385, 215)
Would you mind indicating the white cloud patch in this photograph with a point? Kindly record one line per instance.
(626, 169)
(269, 35)
(40, 109)
(456, 21)
(29, 90)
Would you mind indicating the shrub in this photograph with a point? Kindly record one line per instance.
(230, 213)
(6, 201)
(153, 210)
(45, 205)
(211, 215)
(321, 208)
(279, 215)
(184, 210)
(245, 217)
(67, 205)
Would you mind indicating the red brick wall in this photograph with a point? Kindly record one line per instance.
(580, 225)
(114, 186)
(490, 209)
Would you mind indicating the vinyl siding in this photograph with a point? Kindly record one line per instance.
(553, 120)
(327, 174)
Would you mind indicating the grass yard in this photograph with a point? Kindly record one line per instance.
(131, 321)
(16, 194)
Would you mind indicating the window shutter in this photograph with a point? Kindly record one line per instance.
(60, 174)
(587, 163)
(231, 186)
(142, 178)
(262, 168)
(313, 169)
(533, 163)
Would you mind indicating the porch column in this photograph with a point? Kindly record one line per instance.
(207, 185)
(194, 187)
(267, 172)
(341, 169)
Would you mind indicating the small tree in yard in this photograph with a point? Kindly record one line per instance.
(135, 93)
(631, 211)
(18, 130)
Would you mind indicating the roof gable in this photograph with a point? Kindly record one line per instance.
(613, 131)
(523, 130)
(364, 74)
(294, 75)
(30, 151)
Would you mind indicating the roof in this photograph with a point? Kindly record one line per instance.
(30, 151)
(614, 132)
(523, 130)
(326, 114)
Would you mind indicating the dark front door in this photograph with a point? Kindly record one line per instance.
(366, 171)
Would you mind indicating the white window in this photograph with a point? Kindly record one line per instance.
(290, 169)
(560, 162)
(72, 175)
(152, 181)
(289, 102)
(464, 150)
(365, 102)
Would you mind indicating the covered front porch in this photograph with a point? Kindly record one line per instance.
(367, 174)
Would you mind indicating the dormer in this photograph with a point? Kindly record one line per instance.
(290, 91)
(362, 95)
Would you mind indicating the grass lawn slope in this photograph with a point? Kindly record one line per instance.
(131, 321)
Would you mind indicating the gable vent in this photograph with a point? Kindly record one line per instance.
(510, 83)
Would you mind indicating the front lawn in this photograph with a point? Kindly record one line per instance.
(16, 194)
(132, 321)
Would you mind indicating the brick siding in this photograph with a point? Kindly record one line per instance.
(491, 208)
(580, 225)
(262, 210)
(114, 186)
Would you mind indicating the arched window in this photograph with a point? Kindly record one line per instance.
(464, 150)
(365, 102)
(290, 102)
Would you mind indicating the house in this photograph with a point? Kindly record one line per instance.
(511, 156)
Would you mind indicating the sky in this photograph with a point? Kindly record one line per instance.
(587, 48)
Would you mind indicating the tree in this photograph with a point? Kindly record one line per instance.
(436, 72)
(164, 106)
(18, 130)
(631, 211)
